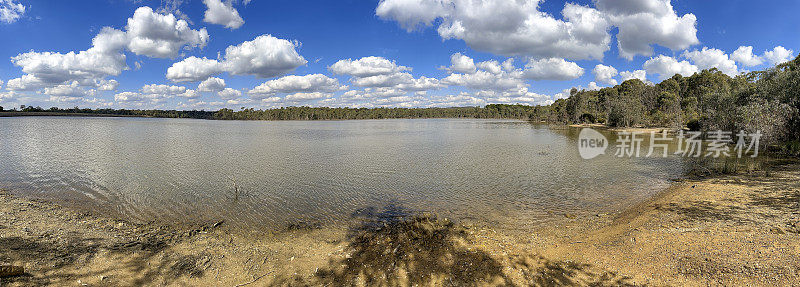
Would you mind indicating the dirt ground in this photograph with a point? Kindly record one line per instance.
(731, 230)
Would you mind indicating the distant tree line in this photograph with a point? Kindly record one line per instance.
(768, 101)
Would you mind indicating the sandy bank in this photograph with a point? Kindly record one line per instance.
(731, 230)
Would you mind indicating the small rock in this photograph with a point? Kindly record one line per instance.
(570, 215)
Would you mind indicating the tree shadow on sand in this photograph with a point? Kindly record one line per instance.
(394, 247)
(58, 262)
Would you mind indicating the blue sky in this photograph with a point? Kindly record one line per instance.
(421, 53)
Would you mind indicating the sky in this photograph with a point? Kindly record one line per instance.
(212, 54)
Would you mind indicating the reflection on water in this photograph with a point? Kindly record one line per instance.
(273, 174)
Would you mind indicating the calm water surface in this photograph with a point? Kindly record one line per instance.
(321, 172)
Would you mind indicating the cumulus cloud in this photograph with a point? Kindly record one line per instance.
(263, 57)
(366, 67)
(778, 55)
(73, 90)
(630, 75)
(222, 14)
(744, 55)
(552, 69)
(211, 84)
(154, 94)
(712, 58)
(303, 96)
(146, 33)
(461, 64)
(642, 23)
(11, 11)
(193, 69)
(163, 89)
(385, 80)
(161, 36)
(296, 84)
(104, 58)
(605, 74)
(107, 85)
(519, 28)
(380, 78)
(484, 80)
(507, 27)
(26, 82)
(666, 67)
(229, 94)
(190, 94)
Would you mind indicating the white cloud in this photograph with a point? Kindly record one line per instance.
(519, 28)
(605, 74)
(193, 69)
(507, 27)
(637, 74)
(484, 80)
(380, 78)
(7, 96)
(211, 84)
(161, 36)
(264, 57)
(552, 69)
(163, 89)
(778, 55)
(666, 67)
(11, 11)
(296, 84)
(190, 94)
(593, 86)
(73, 90)
(147, 33)
(222, 14)
(229, 94)
(461, 64)
(26, 82)
(130, 97)
(366, 67)
(301, 97)
(488, 77)
(645, 22)
(107, 85)
(492, 66)
(712, 58)
(744, 55)
(386, 80)
(103, 59)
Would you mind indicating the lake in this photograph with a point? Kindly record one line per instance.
(269, 175)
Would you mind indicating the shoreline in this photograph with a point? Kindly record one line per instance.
(732, 229)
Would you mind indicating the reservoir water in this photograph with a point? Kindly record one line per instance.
(273, 174)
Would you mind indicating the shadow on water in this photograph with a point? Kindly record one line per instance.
(397, 247)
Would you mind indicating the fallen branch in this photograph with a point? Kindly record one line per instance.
(254, 280)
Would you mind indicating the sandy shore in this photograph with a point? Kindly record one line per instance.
(730, 230)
